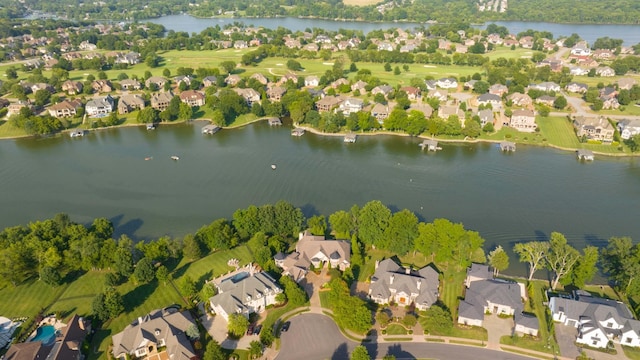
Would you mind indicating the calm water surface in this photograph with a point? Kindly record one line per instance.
(506, 197)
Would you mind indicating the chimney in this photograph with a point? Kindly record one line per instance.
(377, 263)
(418, 284)
(391, 280)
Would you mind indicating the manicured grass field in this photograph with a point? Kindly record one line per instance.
(558, 131)
(631, 353)
(213, 265)
(78, 295)
(27, 299)
(395, 329)
(535, 306)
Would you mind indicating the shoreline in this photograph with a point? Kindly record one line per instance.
(338, 134)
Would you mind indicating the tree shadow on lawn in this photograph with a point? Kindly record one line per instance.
(139, 295)
(204, 278)
(98, 337)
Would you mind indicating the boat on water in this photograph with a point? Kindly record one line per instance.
(175, 157)
(273, 166)
(149, 158)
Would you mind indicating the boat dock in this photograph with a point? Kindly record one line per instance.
(274, 121)
(297, 132)
(430, 145)
(76, 133)
(350, 138)
(210, 129)
(151, 126)
(508, 146)
(584, 154)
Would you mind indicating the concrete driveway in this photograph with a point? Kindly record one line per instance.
(217, 327)
(566, 337)
(497, 327)
(316, 337)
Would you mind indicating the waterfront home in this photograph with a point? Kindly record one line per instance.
(155, 81)
(328, 103)
(446, 111)
(490, 99)
(605, 71)
(498, 89)
(311, 81)
(260, 78)
(486, 116)
(65, 108)
(385, 46)
(192, 98)
(413, 93)
(519, 99)
(102, 86)
(598, 320)
(209, 81)
(160, 101)
(72, 87)
(7, 328)
(393, 283)
(15, 107)
(628, 128)
(316, 251)
(99, 106)
(523, 120)
(351, 105)
(380, 112)
(447, 83)
(275, 93)
(244, 291)
(581, 49)
(249, 95)
(130, 102)
(577, 87)
(594, 128)
(130, 84)
(160, 334)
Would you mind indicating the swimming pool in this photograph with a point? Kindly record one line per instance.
(46, 334)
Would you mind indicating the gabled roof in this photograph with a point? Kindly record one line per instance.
(495, 291)
(391, 276)
(235, 294)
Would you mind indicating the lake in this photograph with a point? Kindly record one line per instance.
(506, 197)
(630, 34)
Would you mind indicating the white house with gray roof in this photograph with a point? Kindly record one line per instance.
(244, 291)
(404, 286)
(628, 128)
(99, 106)
(598, 320)
(160, 328)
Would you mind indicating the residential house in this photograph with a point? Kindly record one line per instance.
(244, 291)
(594, 128)
(130, 58)
(42, 86)
(72, 87)
(351, 105)
(578, 71)
(477, 272)
(156, 81)
(523, 120)
(439, 94)
(69, 344)
(102, 86)
(85, 45)
(430, 84)
(519, 99)
(545, 86)
(152, 335)
(446, 111)
(311, 81)
(490, 99)
(313, 47)
(360, 86)
(192, 98)
(608, 92)
(495, 39)
(27, 351)
(426, 109)
(447, 83)
(260, 78)
(598, 320)
(130, 102)
(626, 83)
(336, 84)
(603, 54)
(392, 283)
(182, 79)
(15, 107)
(380, 112)
(577, 87)
(250, 95)
(7, 328)
(328, 103)
(526, 324)
(316, 251)
(486, 116)
(160, 101)
(413, 93)
(65, 108)
(628, 128)
(232, 80)
(610, 103)
(130, 84)
(526, 42)
(581, 49)
(605, 71)
(209, 81)
(382, 89)
(240, 44)
(498, 89)
(275, 93)
(546, 100)
(385, 46)
(288, 77)
(99, 106)
(461, 49)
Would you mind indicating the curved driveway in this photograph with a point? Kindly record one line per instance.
(316, 337)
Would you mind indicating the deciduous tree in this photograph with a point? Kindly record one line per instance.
(534, 253)
(561, 257)
(499, 260)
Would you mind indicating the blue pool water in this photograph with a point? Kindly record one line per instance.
(46, 334)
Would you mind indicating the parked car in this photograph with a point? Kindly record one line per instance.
(257, 329)
(285, 326)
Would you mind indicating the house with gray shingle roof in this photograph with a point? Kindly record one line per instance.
(314, 251)
(160, 328)
(404, 286)
(489, 296)
(598, 320)
(244, 291)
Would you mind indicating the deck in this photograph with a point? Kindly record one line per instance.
(350, 138)
(210, 129)
(297, 132)
(274, 121)
(584, 154)
(508, 146)
(430, 145)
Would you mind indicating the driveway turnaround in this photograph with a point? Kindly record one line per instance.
(316, 337)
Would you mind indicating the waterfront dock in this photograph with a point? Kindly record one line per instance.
(210, 129)
(508, 146)
(274, 121)
(586, 155)
(297, 132)
(350, 138)
(76, 133)
(430, 145)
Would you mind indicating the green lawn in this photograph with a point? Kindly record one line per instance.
(396, 329)
(631, 353)
(535, 305)
(507, 53)
(558, 131)
(27, 299)
(78, 295)
(530, 343)
(452, 289)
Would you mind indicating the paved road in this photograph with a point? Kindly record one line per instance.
(316, 337)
